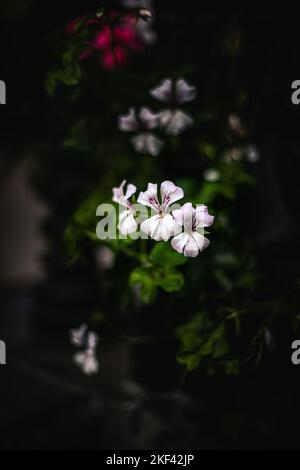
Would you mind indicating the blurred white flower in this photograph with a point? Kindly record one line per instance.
(77, 335)
(192, 240)
(252, 154)
(127, 223)
(145, 141)
(162, 225)
(211, 175)
(105, 258)
(177, 93)
(87, 360)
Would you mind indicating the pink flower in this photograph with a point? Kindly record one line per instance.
(116, 38)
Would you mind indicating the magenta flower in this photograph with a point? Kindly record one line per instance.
(115, 39)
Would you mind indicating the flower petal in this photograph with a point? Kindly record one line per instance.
(130, 191)
(153, 145)
(149, 198)
(149, 119)
(139, 143)
(179, 242)
(128, 122)
(179, 122)
(201, 241)
(127, 223)
(163, 92)
(203, 219)
(159, 227)
(118, 194)
(191, 248)
(185, 93)
(170, 194)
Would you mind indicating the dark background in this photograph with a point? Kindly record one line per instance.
(44, 402)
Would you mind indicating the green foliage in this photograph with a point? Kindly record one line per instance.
(204, 342)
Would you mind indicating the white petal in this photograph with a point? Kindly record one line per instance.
(178, 216)
(153, 145)
(118, 194)
(159, 227)
(149, 119)
(149, 198)
(188, 216)
(201, 241)
(165, 117)
(90, 365)
(203, 219)
(77, 336)
(128, 122)
(139, 143)
(179, 122)
(163, 92)
(185, 92)
(93, 340)
(179, 242)
(127, 223)
(170, 194)
(79, 358)
(191, 249)
(131, 190)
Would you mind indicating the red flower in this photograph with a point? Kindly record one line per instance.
(116, 39)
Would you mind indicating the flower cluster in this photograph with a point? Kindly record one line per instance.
(113, 34)
(87, 359)
(173, 120)
(185, 225)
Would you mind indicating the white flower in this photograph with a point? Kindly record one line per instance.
(77, 336)
(192, 240)
(105, 258)
(145, 141)
(162, 225)
(87, 360)
(127, 223)
(174, 120)
(211, 175)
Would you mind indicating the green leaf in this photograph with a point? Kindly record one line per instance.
(164, 255)
(170, 280)
(142, 278)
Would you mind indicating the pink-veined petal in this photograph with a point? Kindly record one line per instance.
(149, 198)
(170, 194)
(130, 191)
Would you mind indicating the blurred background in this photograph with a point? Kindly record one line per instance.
(141, 399)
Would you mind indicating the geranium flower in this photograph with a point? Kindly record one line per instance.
(162, 225)
(116, 38)
(77, 335)
(145, 141)
(87, 360)
(174, 120)
(192, 240)
(127, 223)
